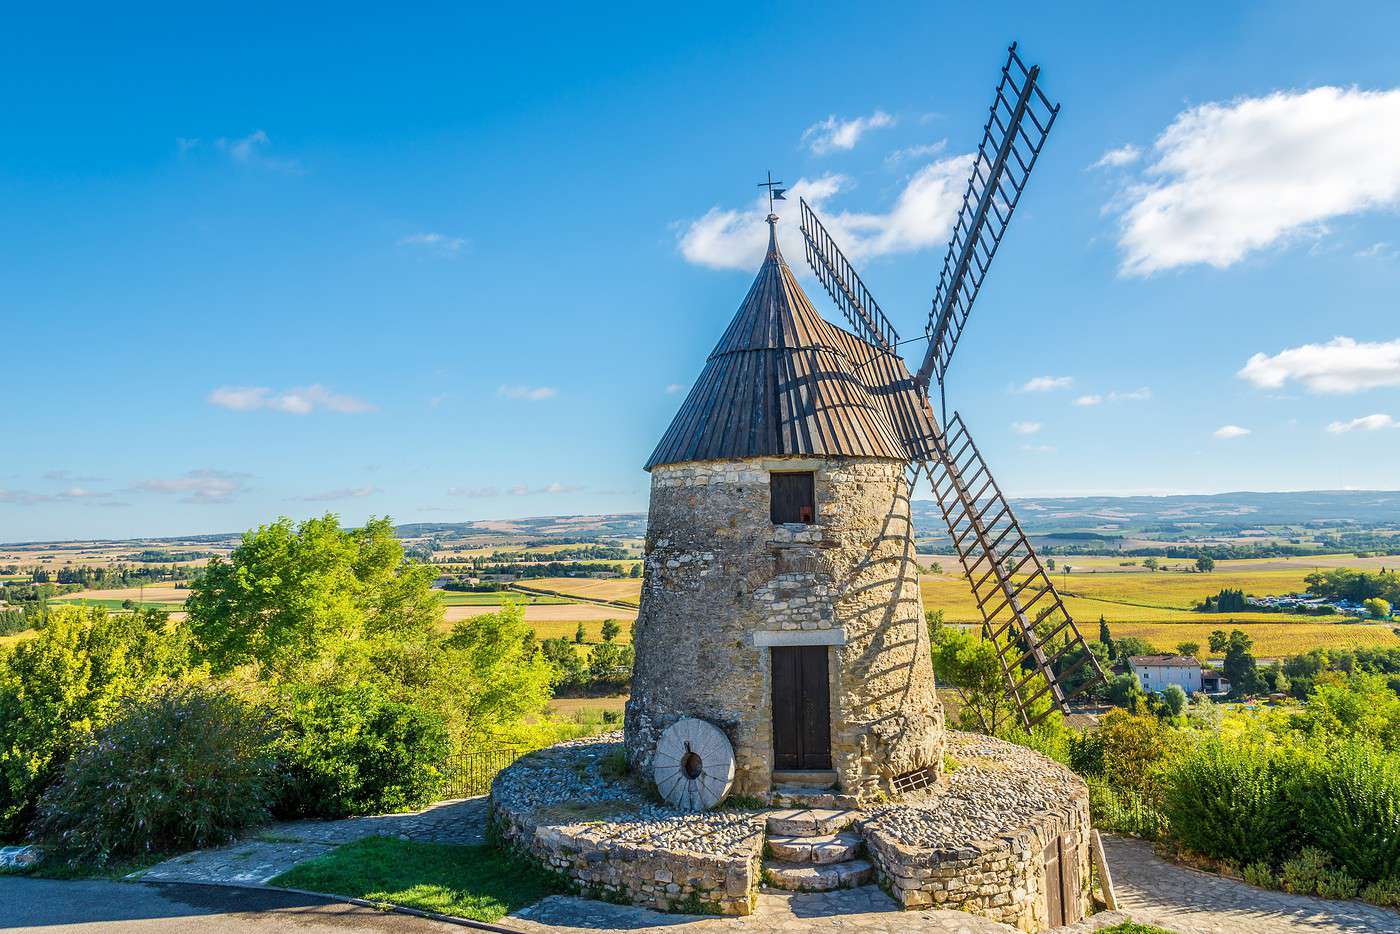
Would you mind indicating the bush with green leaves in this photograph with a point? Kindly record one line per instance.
(83, 665)
(355, 750)
(186, 767)
(1348, 804)
(1385, 893)
(1311, 873)
(1226, 800)
(1120, 810)
(1261, 874)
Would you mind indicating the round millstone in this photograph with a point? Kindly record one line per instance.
(694, 764)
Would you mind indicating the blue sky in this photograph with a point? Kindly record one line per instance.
(456, 264)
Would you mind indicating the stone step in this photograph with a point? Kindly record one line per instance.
(811, 877)
(831, 848)
(815, 779)
(809, 822)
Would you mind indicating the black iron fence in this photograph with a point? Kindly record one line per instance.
(470, 773)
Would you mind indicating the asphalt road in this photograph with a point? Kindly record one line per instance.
(126, 908)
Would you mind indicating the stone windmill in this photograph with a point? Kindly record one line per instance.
(781, 601)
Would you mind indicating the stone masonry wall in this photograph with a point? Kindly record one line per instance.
(717, 572)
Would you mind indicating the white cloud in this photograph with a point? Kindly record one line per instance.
(66, 476)
(915, 152)
(1038, 448)
(1365, 423)
(198, 486)
(1230, 431)
(1117, 158)
(1047, 383)
(527, 393)
(1233, 178)
(1134, 395)
(343, 493)
(436, 242)
(921, 217)
(1341, 365)
(1379, 250)
(299, 401)
(673, 388)
(474, 492)
(550, 489)
(832, 133)
(1025, 428)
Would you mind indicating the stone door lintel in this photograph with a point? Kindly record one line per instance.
(763, 639)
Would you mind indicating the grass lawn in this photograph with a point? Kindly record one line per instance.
(114, 604)
(1132, 927)
(476, 882)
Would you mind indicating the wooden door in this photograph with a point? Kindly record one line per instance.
(1062, 881)
(801, 708)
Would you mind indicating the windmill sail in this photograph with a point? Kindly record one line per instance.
(1020, 120)
(1038, 645)
(843, 284)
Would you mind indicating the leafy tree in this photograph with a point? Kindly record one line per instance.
(291, 594)
(489, 677)
(1377, 608)
(636, 571)
(1129, 646)
(1174, 699)
(1240, 666)
(970, 666)
(1150, 563)
(1106, 638)
(610, 665)
(610, 629)
(1189, 649)
(571, 674)
(933, 619)
(1205, 564)
(1219, 641)
(579, 634)
(1125, 691)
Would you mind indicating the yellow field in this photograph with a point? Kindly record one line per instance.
(1271, 640)
(155, 593)
(550, 613)
(573, 706)
(627, 590)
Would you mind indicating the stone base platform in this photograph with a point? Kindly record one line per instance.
(1006, 827)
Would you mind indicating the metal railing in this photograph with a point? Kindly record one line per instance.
(470, 773)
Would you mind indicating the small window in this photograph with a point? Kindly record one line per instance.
(793, 497)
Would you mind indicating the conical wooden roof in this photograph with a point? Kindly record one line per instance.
(785, 381)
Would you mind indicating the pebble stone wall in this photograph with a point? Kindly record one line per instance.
(722, 583)
(975, 842)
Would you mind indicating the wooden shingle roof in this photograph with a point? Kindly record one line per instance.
(785, 381)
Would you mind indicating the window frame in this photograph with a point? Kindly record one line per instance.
(773, 482)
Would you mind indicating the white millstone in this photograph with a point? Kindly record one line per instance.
(694, 764)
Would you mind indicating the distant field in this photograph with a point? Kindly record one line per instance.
(551, 613)
(114, 604)
(1271, 640)
(627, 590)
(576, 706)
(463, 598)
(155, 593)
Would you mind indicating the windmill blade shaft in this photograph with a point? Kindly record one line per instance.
(844, 286)
(1011, 142)
(1022, 613)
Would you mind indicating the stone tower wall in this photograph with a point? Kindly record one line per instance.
(722, 584)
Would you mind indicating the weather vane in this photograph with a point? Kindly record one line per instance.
(775, 192)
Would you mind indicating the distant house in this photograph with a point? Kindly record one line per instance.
(1156, 672)
(1215, 682)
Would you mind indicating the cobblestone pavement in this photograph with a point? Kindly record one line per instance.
(278, 847)
(1155, 891)
(865, 910)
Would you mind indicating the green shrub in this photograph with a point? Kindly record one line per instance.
(1300, 874)
(357, 751)
(69, 679)
(1335, 883)
(1227, 801)
(188, 767)
(1348, 804)
(1258, 873)
(1385, 893)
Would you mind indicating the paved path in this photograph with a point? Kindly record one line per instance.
(1155, 891)
(43, 906)
(279, 847)
(866, 910)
